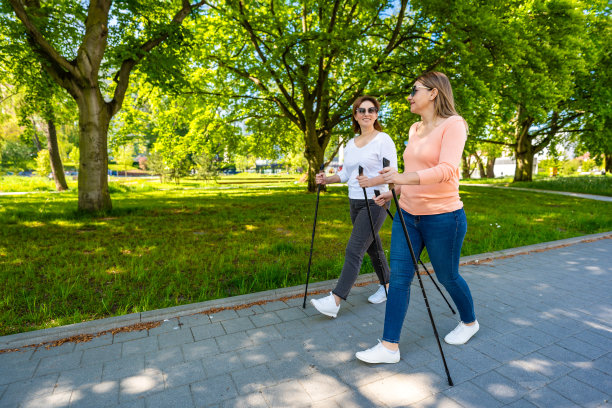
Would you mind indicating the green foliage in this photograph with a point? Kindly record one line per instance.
(43, 163)
(15, 153)
(124, 156)
(205, 168)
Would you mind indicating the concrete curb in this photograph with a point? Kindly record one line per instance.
(38, 337)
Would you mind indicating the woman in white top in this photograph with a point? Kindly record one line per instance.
(366, 150)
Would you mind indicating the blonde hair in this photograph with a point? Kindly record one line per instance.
(359, 101)
(444, 103)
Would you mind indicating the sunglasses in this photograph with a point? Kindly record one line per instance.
(415, 88)
(362, 111)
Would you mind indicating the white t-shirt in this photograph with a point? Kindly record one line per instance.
(370, 158)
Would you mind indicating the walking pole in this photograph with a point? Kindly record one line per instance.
(416, 269)
(377, 193)
(381, 278)
(314, 225)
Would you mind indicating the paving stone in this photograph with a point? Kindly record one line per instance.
(595, 338)
(476, 360)
(236, 325)
(522, 403)
(594, 378)
(79, 378)
(498, 351)
(523, 374)
(266, 319)
(257, 355)
(184, 374)
(179, 397)
(199, 349)
(44, 351)
(499, 387)
(290, 314)
(132, 335)
(175, 338)
(102, 394)
(21, 391)
(579, 392)
(581, 347)
(469, 395)
(194, 320)
(140, 346)
(101, 354)
(213, 390)
(255, 400)
(252, 379)
(16, 358)
(286, 370)
(207, 331)
(518, 343)
(166, 326)
(287, 394)
(392, 390)
(264, 335)
(18, 371)
(126, 367)
(223, 315)
(58, 363)
(150, 381)
(273, 306)
(256, 309)
(164, 358)
(221, 364)
(320, 386)
(234, 341)
(547, 397)
(56, 400)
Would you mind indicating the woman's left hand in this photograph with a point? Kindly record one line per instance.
(364, 181)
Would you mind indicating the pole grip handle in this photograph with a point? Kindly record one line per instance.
(386, 163)
(360, 171)
(376, 193)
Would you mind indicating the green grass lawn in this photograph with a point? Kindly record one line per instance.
(190, 243)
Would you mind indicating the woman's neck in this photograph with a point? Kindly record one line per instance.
(367, 131)
(429, 117)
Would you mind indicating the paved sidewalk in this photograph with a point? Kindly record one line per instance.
(545, 341)
(535, 190)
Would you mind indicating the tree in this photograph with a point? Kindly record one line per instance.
(302, 64)
(43, 163)
(86, 49)
(124, 156)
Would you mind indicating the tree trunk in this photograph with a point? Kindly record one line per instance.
(94, 119)
(315, 142)
(56, 162)
(608, 162)
(524, 151)
(35, 137)
(490, 165)
(465, 169)
(481, 168)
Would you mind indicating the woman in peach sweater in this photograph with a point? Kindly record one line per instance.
(432, 210)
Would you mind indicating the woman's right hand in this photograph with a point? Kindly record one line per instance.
(320, 178)
(383, 199)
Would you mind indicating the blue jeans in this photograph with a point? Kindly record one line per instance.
(442, 235)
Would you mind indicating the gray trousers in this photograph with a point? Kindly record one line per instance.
(361, 242)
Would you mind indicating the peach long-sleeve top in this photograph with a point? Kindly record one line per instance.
(435, 157)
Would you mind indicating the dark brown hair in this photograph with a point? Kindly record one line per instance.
(359, 101)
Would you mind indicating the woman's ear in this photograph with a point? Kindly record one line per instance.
(434, 94)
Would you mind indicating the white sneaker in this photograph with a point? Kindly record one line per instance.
(379, 296)
(326, 305)
(462, 333)
(378, 354)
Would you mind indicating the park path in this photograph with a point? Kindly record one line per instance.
(545, 313)
(535, 190)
